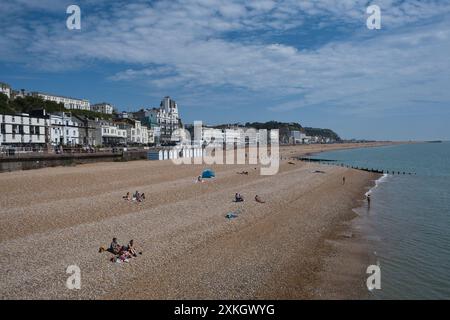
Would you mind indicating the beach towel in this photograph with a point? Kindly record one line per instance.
(231, 215)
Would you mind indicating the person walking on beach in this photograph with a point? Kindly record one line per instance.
(343, 180)
(368, 200)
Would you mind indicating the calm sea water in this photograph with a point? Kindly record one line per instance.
(409, 217)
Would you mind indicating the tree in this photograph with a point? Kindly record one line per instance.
(4, 104)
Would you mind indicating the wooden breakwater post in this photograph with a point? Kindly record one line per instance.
(373, 170)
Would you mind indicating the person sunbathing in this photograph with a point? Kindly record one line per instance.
(127, 196)
(258, 199)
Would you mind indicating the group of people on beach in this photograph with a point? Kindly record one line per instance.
(121, 253)
(239, 198)
(139, 197)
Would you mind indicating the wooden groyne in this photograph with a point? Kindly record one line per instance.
(374, 170)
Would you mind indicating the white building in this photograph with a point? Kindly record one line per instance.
(136, 132)
(5, 89)
(103, 108)
(22, 130)
(299, 137)
(232, 136)
(151, 136)
(69, 103)
(212, 136)
(64, 130)
(112, 135)
(166, 117)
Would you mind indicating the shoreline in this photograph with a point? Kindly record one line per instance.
(348, 246)
(272, 251)
(352, 250)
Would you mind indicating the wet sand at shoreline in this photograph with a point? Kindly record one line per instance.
(287, 248)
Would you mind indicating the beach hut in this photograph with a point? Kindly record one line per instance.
(208, 173)
(153, 155)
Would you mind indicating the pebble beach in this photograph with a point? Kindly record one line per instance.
(297, 245)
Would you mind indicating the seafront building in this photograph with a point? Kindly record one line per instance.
(69, 103)
(112, 135)
(5, 89)
(136, 132)
(166, 117)
(89, 134)
(23, 130)
(231, 135)
(64, 130)
(103, 107)
(153, 126)
(298, 137)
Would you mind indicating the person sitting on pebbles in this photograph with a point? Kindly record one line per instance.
(131, 249)
(238, 197)
(115, 247)
(258, 199)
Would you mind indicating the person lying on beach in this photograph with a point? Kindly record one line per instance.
(243, 172)
(142, 196)
(238, 197)
(258, 199)
(199, 179)
(127, 196)
(123, 256)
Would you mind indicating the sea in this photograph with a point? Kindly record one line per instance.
(408, 222)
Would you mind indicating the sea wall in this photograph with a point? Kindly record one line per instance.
(29, 162)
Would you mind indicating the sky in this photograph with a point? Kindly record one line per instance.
(227, 61)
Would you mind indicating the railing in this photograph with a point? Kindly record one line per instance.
(9, 152)
(6, 151)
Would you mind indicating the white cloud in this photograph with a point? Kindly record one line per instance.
(187, 42)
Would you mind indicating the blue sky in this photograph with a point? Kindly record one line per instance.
(313, 62)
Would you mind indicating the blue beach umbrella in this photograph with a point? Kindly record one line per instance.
(208, 173)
